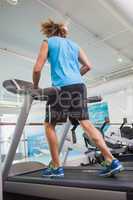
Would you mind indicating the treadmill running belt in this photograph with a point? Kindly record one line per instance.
(83, 178)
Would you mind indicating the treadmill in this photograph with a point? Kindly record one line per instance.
(78, 183)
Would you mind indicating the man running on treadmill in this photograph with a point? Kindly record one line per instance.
(65, 57)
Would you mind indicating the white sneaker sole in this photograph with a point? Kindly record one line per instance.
(53, 175)
(47, 175)
(57, 175)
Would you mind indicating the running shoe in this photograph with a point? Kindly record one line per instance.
(47, 172)
(53, 172)
(111, 169)
(58, 172)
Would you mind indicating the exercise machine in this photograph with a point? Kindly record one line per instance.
(79, 182)
(121, 150)
(126, 130)
(122, 146)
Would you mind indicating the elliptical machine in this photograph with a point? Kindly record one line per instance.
(126, 130)
(118, 149)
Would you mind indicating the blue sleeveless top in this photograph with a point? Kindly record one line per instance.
(63, 58)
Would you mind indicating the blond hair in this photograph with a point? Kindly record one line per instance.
(50, 28)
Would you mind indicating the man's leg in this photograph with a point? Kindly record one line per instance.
(97, 138)
(53, 143)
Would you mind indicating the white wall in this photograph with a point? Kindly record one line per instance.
(119, 95)
(120, 105)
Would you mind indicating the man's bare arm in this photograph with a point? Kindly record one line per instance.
(86, 65)
(42, 57)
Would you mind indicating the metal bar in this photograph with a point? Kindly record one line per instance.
(25, 145)
(66, 156)
(41, 124)
(14, 124)
(27, 124)
(65, 132)
(17, 135)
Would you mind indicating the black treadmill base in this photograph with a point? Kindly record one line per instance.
(11, 196)
(130, 196)
(80, 177)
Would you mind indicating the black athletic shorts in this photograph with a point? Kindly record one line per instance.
(69, 102)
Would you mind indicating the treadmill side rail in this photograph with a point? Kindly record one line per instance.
(17, 135)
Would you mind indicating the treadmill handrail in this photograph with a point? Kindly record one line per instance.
(21, 87)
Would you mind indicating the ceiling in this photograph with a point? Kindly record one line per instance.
(98, 27)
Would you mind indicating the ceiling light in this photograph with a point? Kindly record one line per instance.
(120, 60)
(104, 79)
(12, 2)
(126, 7)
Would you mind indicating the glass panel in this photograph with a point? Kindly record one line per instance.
(6, 130)
(34, 147)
